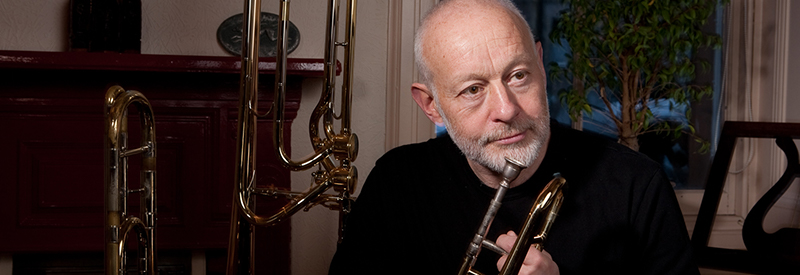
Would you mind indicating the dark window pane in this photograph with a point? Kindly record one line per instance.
(677, 156)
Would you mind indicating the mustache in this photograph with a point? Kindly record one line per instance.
(507, 130)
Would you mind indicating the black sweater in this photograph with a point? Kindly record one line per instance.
(421, 206)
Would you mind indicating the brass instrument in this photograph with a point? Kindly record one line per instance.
(329, 150)
(549, 199)
(118, 223)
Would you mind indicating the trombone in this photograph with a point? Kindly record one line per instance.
(534, 230)
(334, 151)
(118, 223)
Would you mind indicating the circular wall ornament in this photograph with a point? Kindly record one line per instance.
(229, 35)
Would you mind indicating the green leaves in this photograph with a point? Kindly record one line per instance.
(575, 101)
(644, 47)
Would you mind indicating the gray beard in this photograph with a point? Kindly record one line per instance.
(493, 157)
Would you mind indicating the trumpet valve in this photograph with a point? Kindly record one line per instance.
(345, 179)
(345, 147)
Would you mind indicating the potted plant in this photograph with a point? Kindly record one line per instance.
(636, 56)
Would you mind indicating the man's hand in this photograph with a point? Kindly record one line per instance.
(536, 262)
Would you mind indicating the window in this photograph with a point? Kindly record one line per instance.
(677, 156)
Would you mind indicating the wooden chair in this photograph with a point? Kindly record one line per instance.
(775, 253)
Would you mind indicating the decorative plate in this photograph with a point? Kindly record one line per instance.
(229, 35)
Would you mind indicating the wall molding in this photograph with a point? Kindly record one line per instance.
(781, 65)
(405, 123)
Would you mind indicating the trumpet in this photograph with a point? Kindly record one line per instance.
(549, 200)
(334, 151)
(118, 223)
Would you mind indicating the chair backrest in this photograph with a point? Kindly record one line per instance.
(765, 252)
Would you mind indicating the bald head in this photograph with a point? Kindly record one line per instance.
(462, 15)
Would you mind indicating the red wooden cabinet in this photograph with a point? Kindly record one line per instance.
(51, 147)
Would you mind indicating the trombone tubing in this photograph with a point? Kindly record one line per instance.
(343, 146)
(248, 113)
(118, 224)
(323, 107)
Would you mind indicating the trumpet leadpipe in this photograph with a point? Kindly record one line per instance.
(510, 173)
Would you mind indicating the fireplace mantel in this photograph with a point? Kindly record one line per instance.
(92, 61)
(51, 149)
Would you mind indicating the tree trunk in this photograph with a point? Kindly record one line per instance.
(577, 83)
(630, 141)
(578, 123)
(626, 134)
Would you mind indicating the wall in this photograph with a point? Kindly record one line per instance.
(793, 114)
(33, 25)
(181, 27)
(188, 27)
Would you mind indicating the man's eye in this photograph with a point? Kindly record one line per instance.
(519, 75)
(473, 90)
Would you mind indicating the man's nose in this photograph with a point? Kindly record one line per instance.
(503, 104)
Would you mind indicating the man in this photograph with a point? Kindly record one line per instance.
(482, 77)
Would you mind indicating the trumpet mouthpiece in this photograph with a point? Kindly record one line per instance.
(511, 170)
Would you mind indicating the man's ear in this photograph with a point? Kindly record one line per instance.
(541, 56)
(539, 49)
(424, 98)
